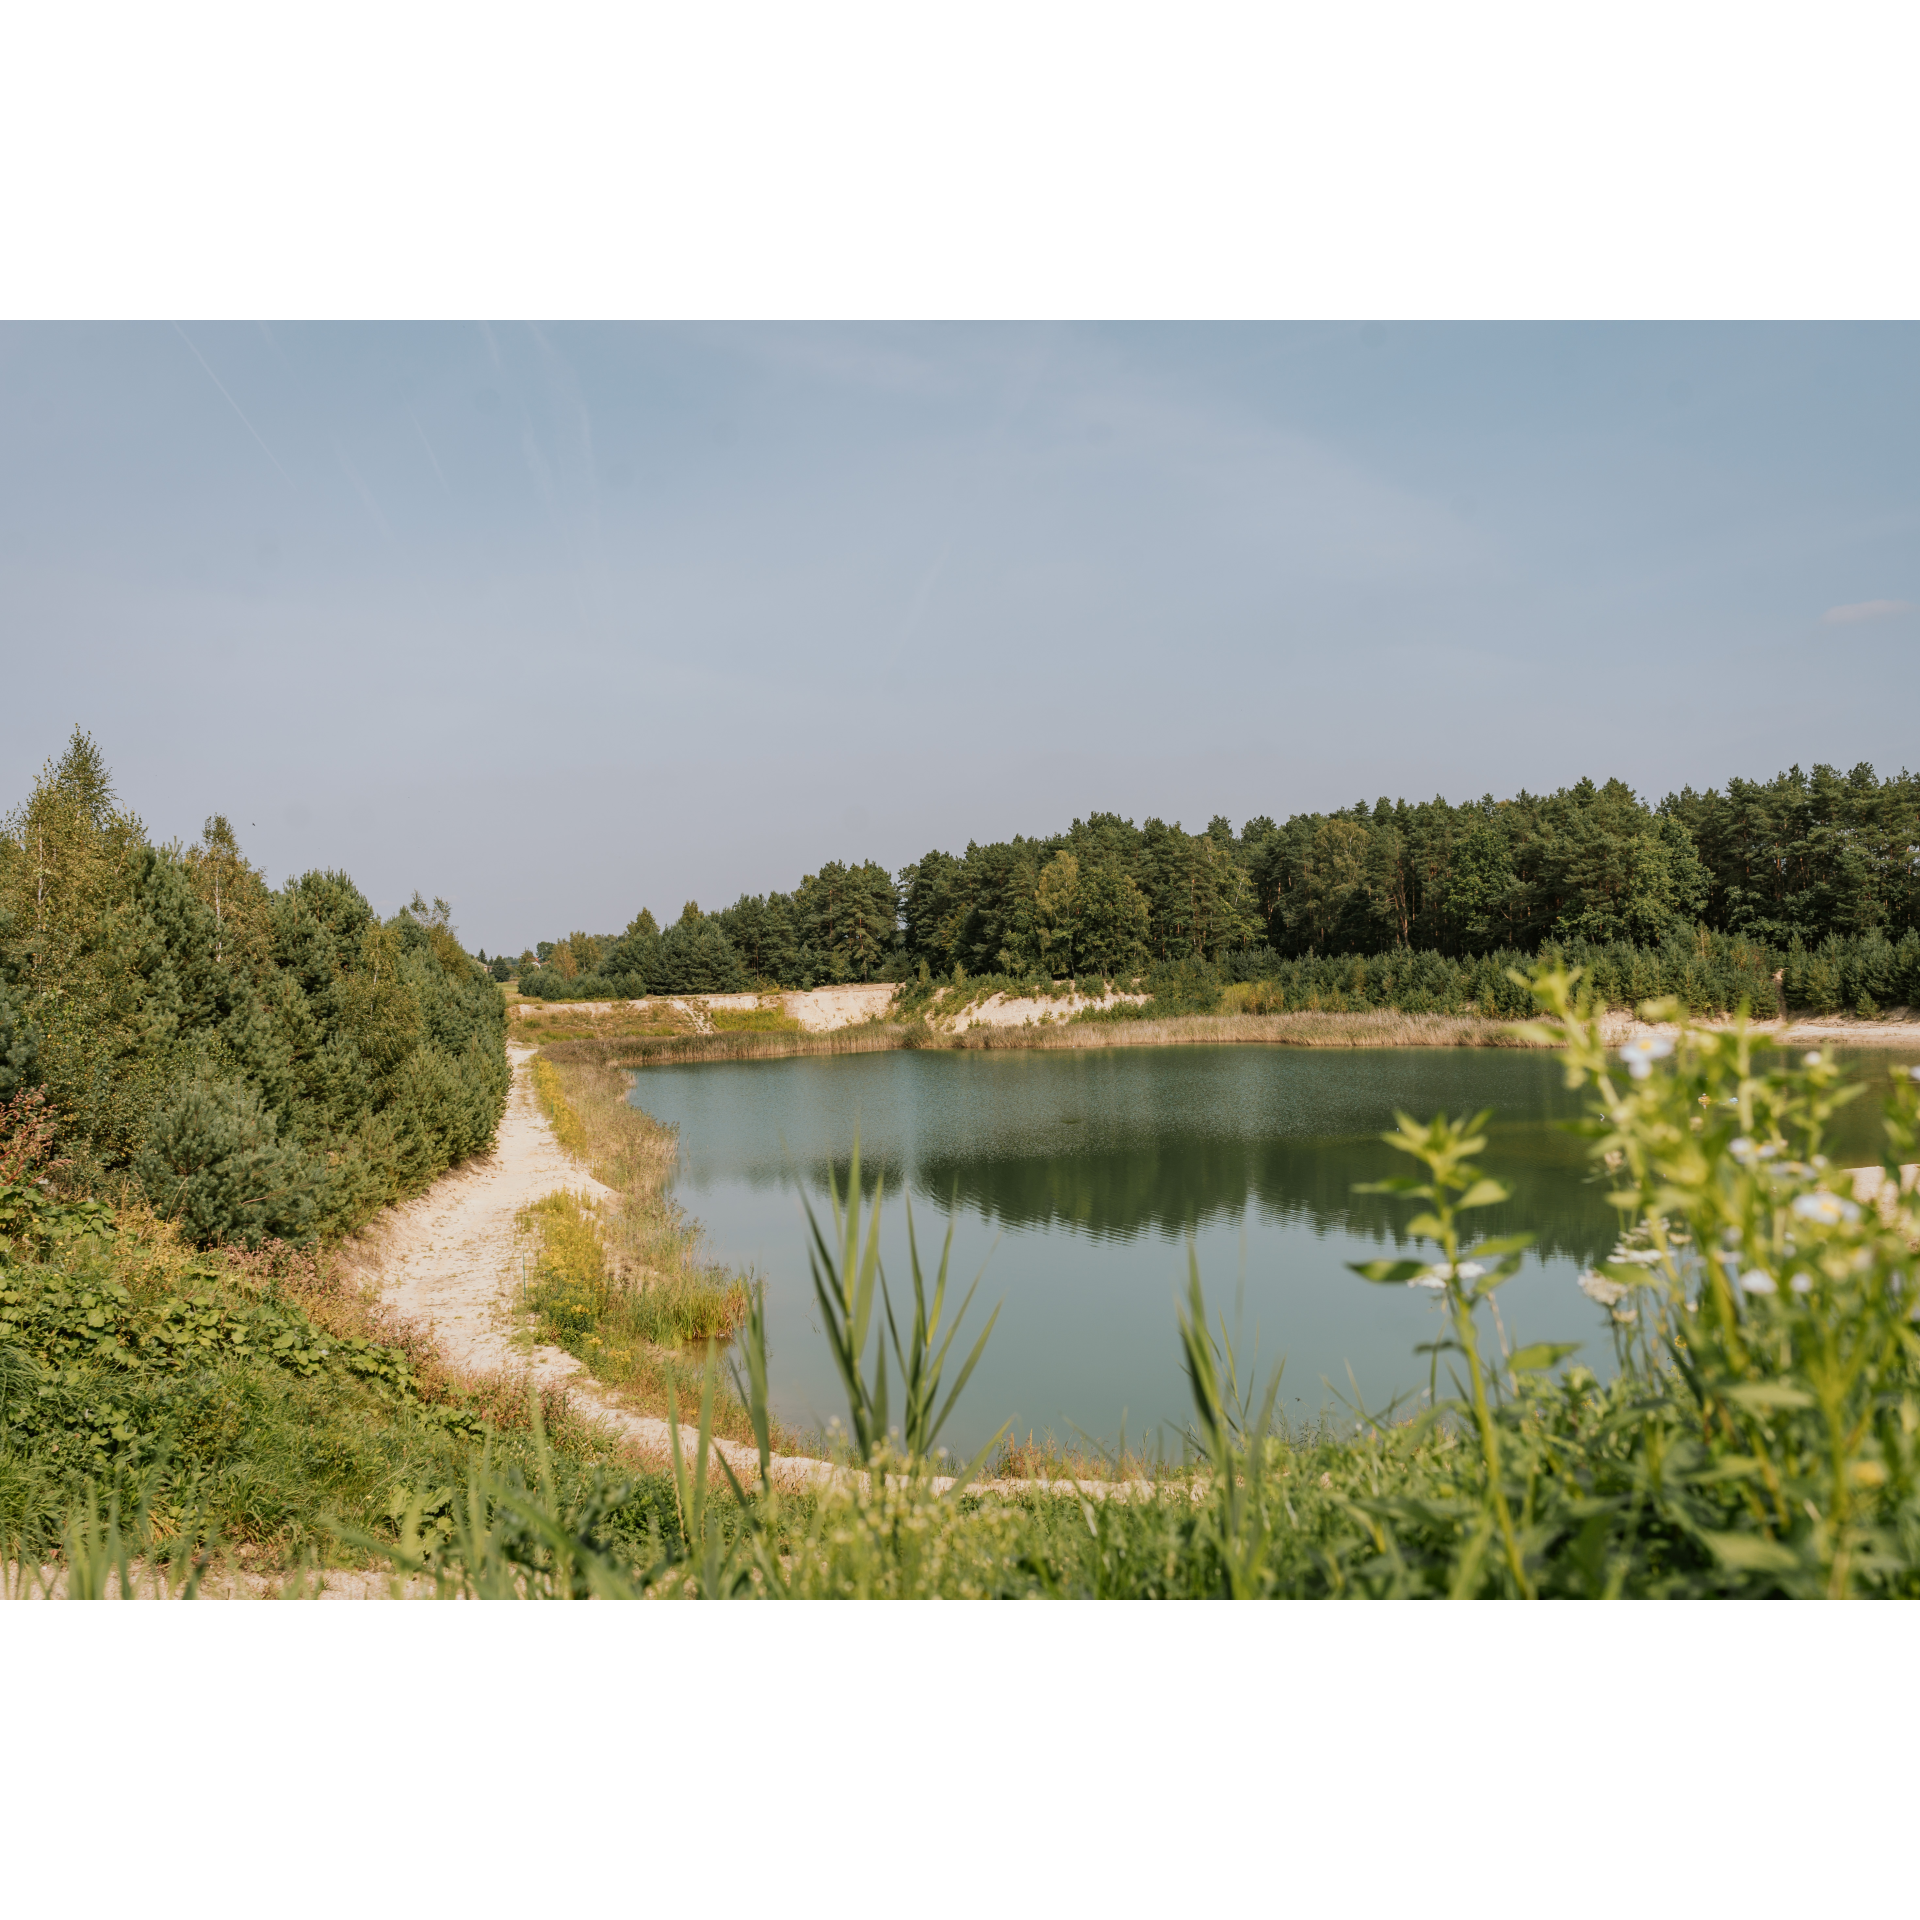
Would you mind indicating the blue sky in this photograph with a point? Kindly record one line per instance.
(560, 621)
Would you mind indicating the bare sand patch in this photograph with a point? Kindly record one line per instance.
(827, 1008)
(1033, 1010)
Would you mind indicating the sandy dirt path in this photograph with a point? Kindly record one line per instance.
(452, 1260)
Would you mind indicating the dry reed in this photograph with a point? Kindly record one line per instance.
(616, 1053)
(1382, 1029)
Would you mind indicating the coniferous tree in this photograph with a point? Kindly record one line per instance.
(19, 1037)
(291, 1062)
(213, 1160)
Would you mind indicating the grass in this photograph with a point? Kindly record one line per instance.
(1048, 1459)
(1207, 1030)
(615, 1053)
(537, 1022)
(1385, 1029)
(254, 1412)
(622, 1282)
(770, 1016)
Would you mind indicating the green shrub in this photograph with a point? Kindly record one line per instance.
(274, 1061)
(212, 1160)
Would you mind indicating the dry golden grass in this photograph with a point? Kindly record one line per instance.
(542, 1022)
(1384, 1029)
(1046, 1459)
(770, 1016)
(656, 1300)
(617, 1053)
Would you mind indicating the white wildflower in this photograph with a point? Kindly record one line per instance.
(1434, 1278)
(1639, 1055)
(1759, 1280)
(1801, 1283)
(1810, 1059)
(1825, 1209)
(1602, 1291)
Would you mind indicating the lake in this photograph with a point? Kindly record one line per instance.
(1080, 1179)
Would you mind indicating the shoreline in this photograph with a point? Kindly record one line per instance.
(1321, 1030)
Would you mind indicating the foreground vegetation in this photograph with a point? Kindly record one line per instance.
(1760, 1434)
(249, 1412)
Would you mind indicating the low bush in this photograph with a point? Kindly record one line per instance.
(247, 1406)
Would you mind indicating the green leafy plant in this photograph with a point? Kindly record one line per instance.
(847, 1280)
(1453, 1187)
(1233, 1439)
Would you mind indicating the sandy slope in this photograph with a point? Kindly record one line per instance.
(1899, 1027)
(1019, 1010)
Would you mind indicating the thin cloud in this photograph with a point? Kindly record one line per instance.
(231, 401)
(1859, 610)
(366, 493)
(428, 445)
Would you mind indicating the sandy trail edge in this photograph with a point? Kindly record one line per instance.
(453, 1261)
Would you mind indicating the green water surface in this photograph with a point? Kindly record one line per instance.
(1081, 1178)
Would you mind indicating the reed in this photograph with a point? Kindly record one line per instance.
(620, 1052)
(1382, 1029)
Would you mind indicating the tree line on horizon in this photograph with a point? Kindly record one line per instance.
(1780, 865)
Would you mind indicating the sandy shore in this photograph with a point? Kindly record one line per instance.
(832, 1009)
